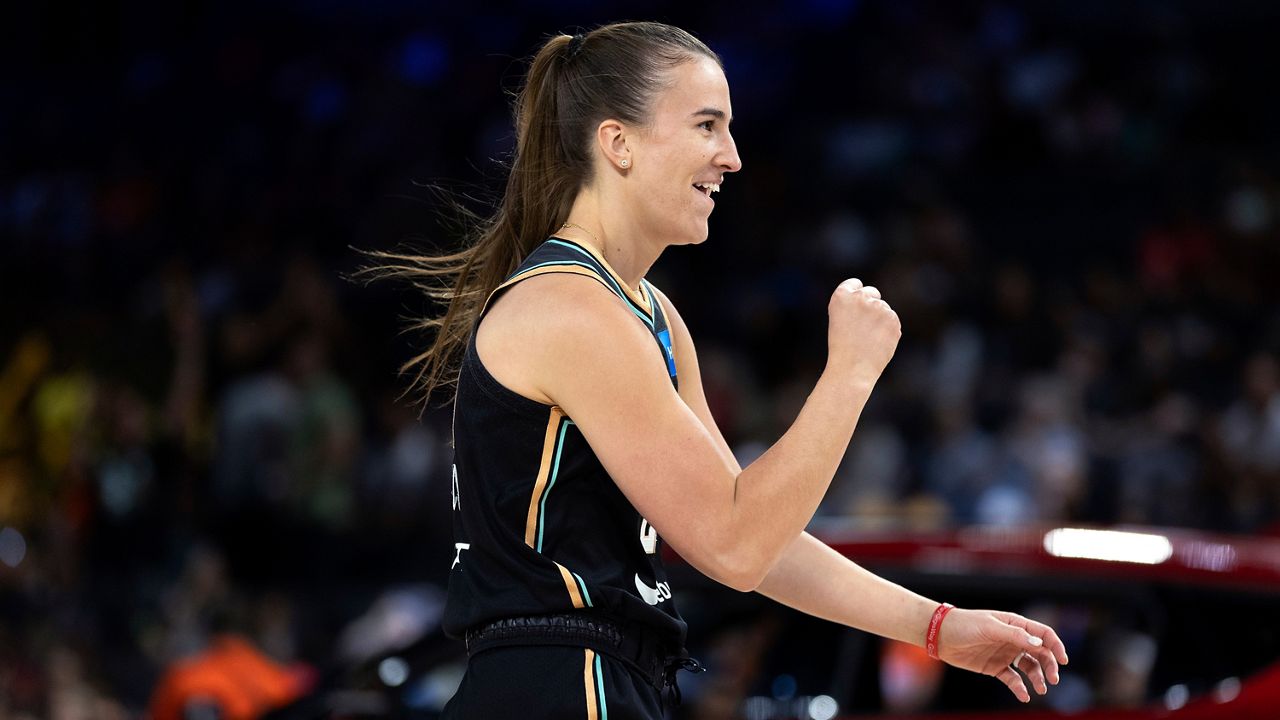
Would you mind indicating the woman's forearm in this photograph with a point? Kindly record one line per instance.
(775, 497)
(815, 579)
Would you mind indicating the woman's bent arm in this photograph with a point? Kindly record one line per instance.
(588, 354)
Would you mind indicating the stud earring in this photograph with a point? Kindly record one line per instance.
(625, 162)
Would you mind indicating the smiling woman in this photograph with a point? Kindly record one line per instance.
(582, 436)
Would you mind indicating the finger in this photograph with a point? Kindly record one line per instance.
(1013, 681)
(1048, 663)
(1030, 667)
(1030, 645)
(851, 285)
(1052, 642)
(1022, 639)
(871, 290)
(1047, 635)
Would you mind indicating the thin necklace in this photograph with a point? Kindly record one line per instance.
(601, 255)
(576, 225)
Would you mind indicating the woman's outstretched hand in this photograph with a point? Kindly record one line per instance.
(993, 643)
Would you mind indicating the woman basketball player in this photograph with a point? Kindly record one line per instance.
(582, 436)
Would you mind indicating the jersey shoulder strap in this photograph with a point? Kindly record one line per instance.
(558, 255)
(661, 330)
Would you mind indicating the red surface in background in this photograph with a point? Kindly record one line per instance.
(1202, 559)
(1259, 699)
(1198, 559)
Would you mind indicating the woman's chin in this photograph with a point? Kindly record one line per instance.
(691, 239)
(698, 233)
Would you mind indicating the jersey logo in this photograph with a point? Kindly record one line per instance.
(457, 556)
(664, 337)
(652, 595)
(648, 537)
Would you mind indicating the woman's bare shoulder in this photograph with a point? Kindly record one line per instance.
(532, 328)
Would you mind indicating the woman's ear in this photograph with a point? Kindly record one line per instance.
(611, 136)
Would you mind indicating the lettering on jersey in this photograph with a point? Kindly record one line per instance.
(664, 338)
(457, 557)
(454, 489)
(648, 537)
(652, 595)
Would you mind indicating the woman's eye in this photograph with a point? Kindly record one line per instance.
(706, 124)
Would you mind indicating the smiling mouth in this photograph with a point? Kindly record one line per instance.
(707, 188)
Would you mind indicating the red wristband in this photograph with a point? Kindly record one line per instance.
(935, 626)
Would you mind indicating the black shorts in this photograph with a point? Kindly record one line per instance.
(552, 683)
(566, 666)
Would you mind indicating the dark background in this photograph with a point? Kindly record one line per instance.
(1072, 205)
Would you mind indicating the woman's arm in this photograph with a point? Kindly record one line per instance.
(816, 580)
(582, 349)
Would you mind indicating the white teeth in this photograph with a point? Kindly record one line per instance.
(709, 187)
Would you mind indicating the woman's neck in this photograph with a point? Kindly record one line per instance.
(613, 238)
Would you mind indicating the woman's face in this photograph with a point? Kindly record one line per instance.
(679, 160)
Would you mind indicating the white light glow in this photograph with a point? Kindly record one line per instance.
(393, 671)
(1227, 690)
(1114, 545)
(1176, 696)
(823, 707)
(1208, 556)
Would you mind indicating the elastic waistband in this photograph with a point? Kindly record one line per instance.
(639, 650)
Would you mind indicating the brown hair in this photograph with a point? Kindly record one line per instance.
(573, 83)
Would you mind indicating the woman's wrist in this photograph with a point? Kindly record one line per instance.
(934, 631)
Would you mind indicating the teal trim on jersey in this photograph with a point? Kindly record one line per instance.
(588, 266)
(604, 708)
(653, 302)
(582, 587)
(555, 470)
(609, 282)
(659, 315)
(639, 311)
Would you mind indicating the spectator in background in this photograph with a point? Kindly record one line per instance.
(1250, 435)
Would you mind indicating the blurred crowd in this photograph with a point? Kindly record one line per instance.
(1074, 209)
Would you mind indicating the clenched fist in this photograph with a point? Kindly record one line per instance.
(863, 332)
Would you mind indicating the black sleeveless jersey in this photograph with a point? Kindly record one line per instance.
(539, 526)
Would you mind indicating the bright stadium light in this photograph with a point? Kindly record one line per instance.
(823, 707)
(1114, 545)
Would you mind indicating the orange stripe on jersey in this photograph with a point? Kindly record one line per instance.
(544, 472)
(571, 586)
(576, 597)
(639, 298)
(571, 269)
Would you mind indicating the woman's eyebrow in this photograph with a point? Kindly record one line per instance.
(713, 112)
